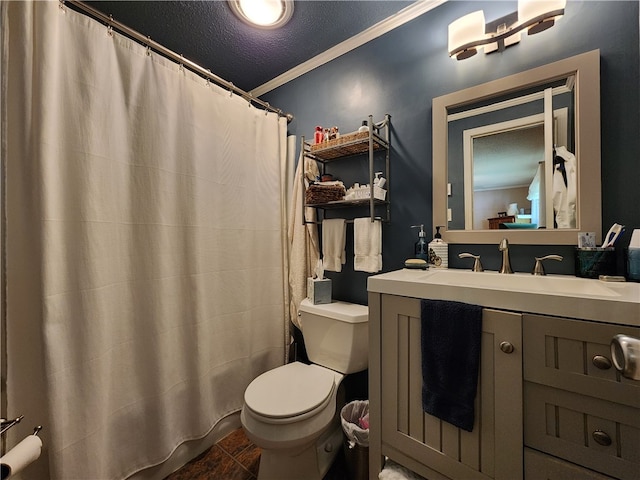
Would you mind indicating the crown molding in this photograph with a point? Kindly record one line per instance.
(394, 21)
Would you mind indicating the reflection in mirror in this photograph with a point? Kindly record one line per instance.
(520, 155)
(504, 164)
(497, 155)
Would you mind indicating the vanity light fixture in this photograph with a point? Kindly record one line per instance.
(468, 33)
(263, 13)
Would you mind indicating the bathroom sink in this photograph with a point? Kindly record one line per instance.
(521, 282)
(557, 295)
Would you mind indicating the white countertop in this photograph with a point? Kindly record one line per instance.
(557, 295)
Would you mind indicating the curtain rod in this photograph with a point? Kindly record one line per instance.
(173, 56)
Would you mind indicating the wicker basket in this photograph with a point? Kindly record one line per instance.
(342, 139)
(318, 194)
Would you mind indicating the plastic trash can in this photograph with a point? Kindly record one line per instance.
(354, 417)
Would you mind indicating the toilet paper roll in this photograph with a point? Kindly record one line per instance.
(625, 352)
(24, 453)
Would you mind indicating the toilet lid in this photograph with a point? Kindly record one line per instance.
(289, 391)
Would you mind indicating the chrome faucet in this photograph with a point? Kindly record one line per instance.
(506, 261)
(477, 265)
(538, 269)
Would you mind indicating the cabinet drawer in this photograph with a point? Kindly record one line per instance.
(598, 434)
(538, 466)
(575, 355)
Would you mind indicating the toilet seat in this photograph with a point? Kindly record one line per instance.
(290, 393)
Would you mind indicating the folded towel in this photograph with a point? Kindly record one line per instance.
(395, 471)
(334, 238)
(367, 245)
(451, 334)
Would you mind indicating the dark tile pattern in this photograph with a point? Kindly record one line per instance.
(236, 458)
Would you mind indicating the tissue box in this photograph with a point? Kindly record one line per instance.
(319, 291)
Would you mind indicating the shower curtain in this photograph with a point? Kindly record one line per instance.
(145, 245)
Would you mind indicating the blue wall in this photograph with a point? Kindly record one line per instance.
(402, 71)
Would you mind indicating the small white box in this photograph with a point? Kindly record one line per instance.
(586, 239)
(319, 291)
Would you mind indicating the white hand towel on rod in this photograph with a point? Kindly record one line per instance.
(367, 245)
(334, 238)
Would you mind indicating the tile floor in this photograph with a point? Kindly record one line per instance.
(236, 458)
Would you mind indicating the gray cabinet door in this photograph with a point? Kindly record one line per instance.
(424, 443)
(577, 406)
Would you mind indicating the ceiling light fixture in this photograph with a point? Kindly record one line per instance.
(468, 33)
(263, 13)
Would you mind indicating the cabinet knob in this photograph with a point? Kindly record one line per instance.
(601, 362)
(506, 347)
(601, 438)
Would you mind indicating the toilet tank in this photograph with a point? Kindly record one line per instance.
(336, 335)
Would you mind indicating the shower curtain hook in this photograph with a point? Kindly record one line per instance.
(61, 6)
(231, 89)
(181, 63)
(209, 78)
(110, 27)
(148, 46)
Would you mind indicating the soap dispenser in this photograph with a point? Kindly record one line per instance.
(421, 247)
(438, 250)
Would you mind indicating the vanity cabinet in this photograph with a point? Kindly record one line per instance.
(550, 404)
(430, 447)
(376, 139)
(578, 409)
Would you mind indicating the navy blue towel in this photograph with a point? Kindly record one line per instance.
(450, 360)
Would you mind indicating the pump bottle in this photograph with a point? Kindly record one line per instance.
(438, 250)
(421, 247)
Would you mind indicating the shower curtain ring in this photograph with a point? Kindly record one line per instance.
(110, 27)
(61, 5)
(208, 78)
(148, 46)
(181, 63)
(231, 89)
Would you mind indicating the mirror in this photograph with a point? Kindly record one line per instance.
(519, 157)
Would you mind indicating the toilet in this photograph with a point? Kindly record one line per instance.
(292, 412)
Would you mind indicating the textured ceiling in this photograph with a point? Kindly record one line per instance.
(209, 34)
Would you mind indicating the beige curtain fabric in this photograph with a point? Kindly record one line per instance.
(304, 244)
(145, 245)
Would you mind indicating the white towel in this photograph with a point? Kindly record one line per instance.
(367, 245)
(334, 238)
(394, 471)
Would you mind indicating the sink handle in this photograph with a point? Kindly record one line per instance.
(477, 265)
(538, 268)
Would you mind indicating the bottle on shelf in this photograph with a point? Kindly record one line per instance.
(364, 127)
(318, 136)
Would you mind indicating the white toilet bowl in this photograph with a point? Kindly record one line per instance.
(292, 412)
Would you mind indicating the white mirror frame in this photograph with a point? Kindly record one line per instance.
(586, 68)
